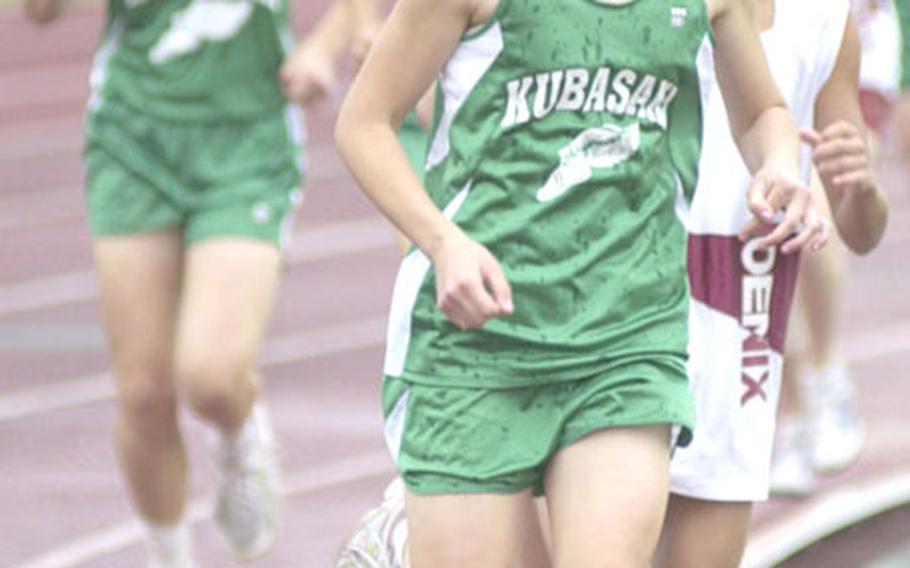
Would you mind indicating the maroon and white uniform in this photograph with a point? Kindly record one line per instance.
(741, 297)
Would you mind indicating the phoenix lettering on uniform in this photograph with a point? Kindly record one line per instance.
(757, 285)
(623, 92)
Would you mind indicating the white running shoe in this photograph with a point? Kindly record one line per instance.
(249, 487)
(791, 469)
(836, 430)
(168, 546)
(382, 536)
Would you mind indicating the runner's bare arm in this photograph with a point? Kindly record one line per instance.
(310, 72)
(841, 154)
(380, 98)
(764, 132)
(471, 287)
(43, 11)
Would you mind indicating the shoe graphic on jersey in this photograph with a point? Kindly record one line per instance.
(596, 148)
(836, 430)
(200, 21)
(249, 489)
(791, 467)
(380, 540)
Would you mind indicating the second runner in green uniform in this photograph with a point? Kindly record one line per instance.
(187, 124)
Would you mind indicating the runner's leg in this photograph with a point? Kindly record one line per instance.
(139, 280)
(606, 496)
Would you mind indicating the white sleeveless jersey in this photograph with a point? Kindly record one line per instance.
(740, 296)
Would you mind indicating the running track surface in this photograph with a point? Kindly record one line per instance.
(61, 500)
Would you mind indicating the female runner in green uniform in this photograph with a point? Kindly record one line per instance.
(537, 335)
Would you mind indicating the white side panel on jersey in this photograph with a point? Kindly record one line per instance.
(704, 66)
(395, 423)
(682, 205)
(467, 66)
(413, 272)
(293, 119)
(296, 124)
(98, 75)
(707, 80)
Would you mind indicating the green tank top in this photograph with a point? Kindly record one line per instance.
(193, 60)
(567, 139)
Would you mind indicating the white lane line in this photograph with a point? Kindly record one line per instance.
(827, 515)
(307, 344)
(313, 244)
(123, 535)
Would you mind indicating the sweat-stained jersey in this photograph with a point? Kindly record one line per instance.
(193, 60)
(741, 296)
(567, 137)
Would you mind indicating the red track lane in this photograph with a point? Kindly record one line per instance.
(58, 476)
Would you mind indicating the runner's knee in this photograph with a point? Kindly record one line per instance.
(214, 384)
(146, 398)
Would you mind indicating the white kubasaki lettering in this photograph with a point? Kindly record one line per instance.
(622, 92)
(548, 87)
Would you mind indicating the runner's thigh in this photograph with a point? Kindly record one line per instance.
(228, 289)
(139, 281)
(606, 495)
(454, 531)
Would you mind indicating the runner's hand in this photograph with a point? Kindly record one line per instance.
(778, 199)
(363, 41)
(841, 157)
(470, 285)
(308, 75)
